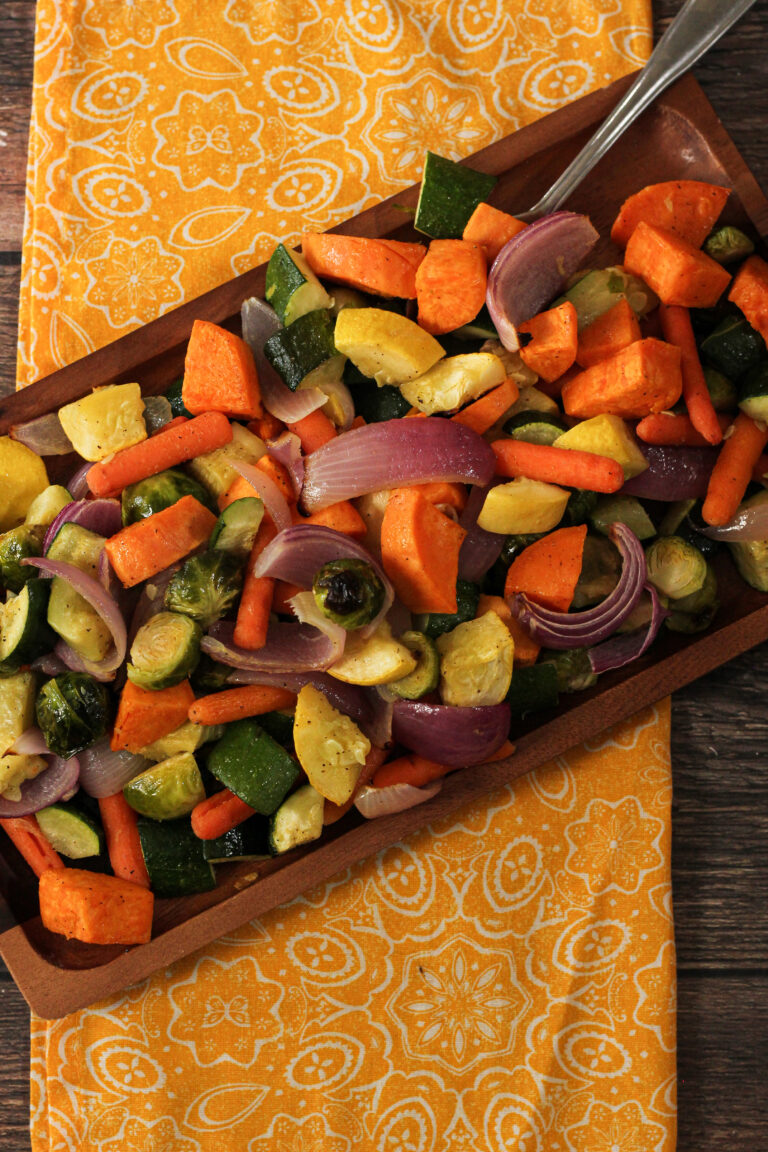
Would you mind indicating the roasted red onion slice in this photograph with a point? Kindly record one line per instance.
(157, 413)
(580, 629)
(100, 516)
(623, 650)
(289, 648)
(450, 735)
(45, 436)
(104, 772)
(480, 549)
(372, 802)
(394, 452)
(77, 484)
(306, 611)
(100, 600)
(259, 322)
(298, 553)
(747, 524)
(286, 449)
(672, 473)
(56, 782)
(532, 269)
(30, 743)
(275, 504)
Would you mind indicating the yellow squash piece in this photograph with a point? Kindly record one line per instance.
(523, 505)
(45, 508)
(17, 713)
(187, 738)
(385, 345)
(108, 420)
(22, 478)
(607, 436)
(378, 659)
(476, 662)
(453, 382)
(330, 747)
(214, 470)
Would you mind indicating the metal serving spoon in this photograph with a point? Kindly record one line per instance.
(698, 25)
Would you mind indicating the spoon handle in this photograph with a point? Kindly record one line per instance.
(697, 26)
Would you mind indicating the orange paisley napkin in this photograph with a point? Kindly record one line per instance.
(504, 980)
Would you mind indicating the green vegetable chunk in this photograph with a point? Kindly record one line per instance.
(426, 675)
(728, 244)
(305, 352)
(73, 712)
(374, 402)
(622, 510)
(167, 790)
(24, 630)
(532, 689)
(574, 671)
(751, 556)
(165, 651)
(69, 831)
(733, 347)
(174, 857)
(237, 527)
(206, 587)
(449, 194)
(291, 286)
(694, 613)
(593, 293)
(248, 841)
(349, 592)
(159, 492)
(676, 568)
(15, 546)
(173, 396)
(535, 427)
(253, 766)
(722, 392)
(298, 820)
(467, 596)
(753, 392)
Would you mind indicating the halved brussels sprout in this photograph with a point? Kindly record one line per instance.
(164, 651)
(751, 556)
(205, 587)
(574, 671)
(695, 613)
(15, 546)
(159, 492)
(675, 567)
(728, 244)
(349, 592)
(72, 712)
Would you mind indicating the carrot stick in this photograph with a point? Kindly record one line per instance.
(482, 414)
(220, 373)
(676, 431)
(733, 470)
(168, 448)
(572, 467)
(414, 770)
(235, 703)
(95, 908)
(29, 840)
(219, 814)
(313, 431)
(143, 716)
(333, 812)
(123, 843)
(146, 547)
(677, 329)
(256, 598)
(450, 285)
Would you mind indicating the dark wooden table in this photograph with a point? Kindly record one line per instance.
(720, 724)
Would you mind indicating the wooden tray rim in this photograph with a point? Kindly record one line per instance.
(52, 991)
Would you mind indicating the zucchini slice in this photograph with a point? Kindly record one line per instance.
(627, 510)
(236, 528)
(247, 841)
(532, 689)
(733, 347)
(426, 675)
(298, 820)
(535, 427)
(292, 288)
(253, 766)
(305, 352)
(69, 831)
(24, 630)
(174, 857)
(449, 194)
(753, 398)
(433, 624)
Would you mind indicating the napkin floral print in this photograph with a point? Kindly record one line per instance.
(175, 143)
(502, 981)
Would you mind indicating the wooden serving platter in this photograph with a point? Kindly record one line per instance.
(680, 136)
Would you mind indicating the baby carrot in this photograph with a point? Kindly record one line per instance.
(235, 703)
(414, 770)
(571, 467)
(219, 814)
(256, 598)
(168, 448)
(29, 840)
(123, 843)
(677, 329)
(733, 469)
(669, 428)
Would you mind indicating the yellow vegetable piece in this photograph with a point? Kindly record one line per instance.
(476, 662)
(523, 505)
(214, 469)
(108, 420)
(17, 713)
(379, 659)
(22, 478)
(454, 381)
(372, 508)
(607, 436)
(188, 738)
(45, 508)
(330, 747)
(385, 345)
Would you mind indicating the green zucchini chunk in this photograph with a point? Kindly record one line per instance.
(433, 624)
(426, 675)
(449, 194)
(237, 526)
(753, 392)
(253, 765)
(532, 689)
(292, 288)
(304, 352)
(69, 831)
(298, 820)
(733, 347)
(24, 630)
(535, 427)
(247, 841)
(174, 857)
